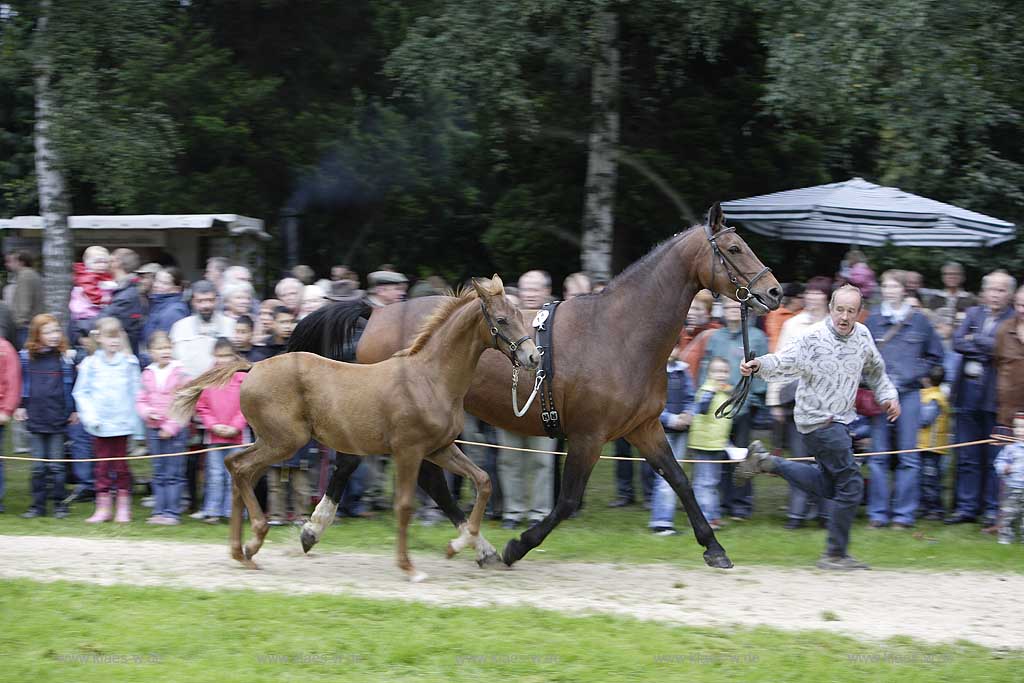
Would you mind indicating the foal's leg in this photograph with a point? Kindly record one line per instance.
(584, 452)
(405, 491)
(323, 515)
(235, 533)
(652, 443)
(246, 468)
(431, 480)
(455, 461)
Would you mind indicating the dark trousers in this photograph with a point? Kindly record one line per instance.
(931, 482)
(977, 487)
(837, 479)
(47, 477)
(112, 473)
(737, 500)
(624, 474)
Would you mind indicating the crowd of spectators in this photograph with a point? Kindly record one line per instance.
(136, 332)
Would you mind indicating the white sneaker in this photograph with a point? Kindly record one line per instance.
(668, 531)
(198, 515)
(148, 502)
(1004, 541)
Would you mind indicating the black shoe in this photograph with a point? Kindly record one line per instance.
(620, 503)
(845, 563)
(61, 512)
(31, 513)
(987, 521)
(793, 524)
(509, 524)
(959, 518)
(933, 517)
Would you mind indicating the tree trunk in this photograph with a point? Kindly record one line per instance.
(602, 164)
(54, 205)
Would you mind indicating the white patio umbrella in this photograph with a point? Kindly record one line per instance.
(859, 212)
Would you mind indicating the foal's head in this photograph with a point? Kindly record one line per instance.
(734, 261)
(504, 323)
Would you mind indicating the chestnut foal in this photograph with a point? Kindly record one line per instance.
(408, 406)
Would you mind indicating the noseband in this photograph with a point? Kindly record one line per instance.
(497, 334)
(734, 403)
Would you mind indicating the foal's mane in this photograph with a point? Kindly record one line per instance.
(441, 314)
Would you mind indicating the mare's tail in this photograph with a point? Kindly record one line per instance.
(187, 397)
(330, 330)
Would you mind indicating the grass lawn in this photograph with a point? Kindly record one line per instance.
(66, 631)
(598, 534)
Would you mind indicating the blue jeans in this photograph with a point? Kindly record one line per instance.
(706, 478)
(51, 447)
(624, 474)
(899, 506)
(837, 479)
(803, 506)
(218, 484)
(977, 487)
(168, 473)
(81, 449)
(663, 503)
(931, 482)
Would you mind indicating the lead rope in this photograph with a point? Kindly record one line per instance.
(515, 394)
(732, 405)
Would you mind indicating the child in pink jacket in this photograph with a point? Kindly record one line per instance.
(160, 380)
(220, 410)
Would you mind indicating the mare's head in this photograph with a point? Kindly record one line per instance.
(728, 266)
(506, 328)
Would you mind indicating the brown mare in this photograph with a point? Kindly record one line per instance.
(409, 406)
(610, 350)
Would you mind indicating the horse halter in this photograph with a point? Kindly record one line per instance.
(497, 334)
(743, 292)
(734, 403)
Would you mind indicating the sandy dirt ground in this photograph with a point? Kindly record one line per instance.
(983, 608)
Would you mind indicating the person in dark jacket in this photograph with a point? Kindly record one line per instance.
(911, 350)
(277, 341)
(974, 399)
(166, 305)
(126, 304)
(48, 376)
(675, 419)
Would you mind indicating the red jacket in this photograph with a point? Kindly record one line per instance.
(90, 284)
(158, 399)
(222, 406)
(10, 378)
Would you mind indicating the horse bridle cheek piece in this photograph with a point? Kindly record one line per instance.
(734, 403)
(497, 334)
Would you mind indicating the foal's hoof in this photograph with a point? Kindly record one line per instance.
(308, 539)
(450, 551)
(417, 577)
(717, 559)
(489, 560)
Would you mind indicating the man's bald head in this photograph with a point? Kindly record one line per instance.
(534, 289)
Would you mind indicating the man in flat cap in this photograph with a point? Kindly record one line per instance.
(386, 287)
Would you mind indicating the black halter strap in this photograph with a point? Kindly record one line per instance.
(497, 334)
(734, 403)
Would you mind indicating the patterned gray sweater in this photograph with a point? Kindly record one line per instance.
(829, 367)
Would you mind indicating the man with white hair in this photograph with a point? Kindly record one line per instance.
(527, 479)
(289, 292)
(974, 391)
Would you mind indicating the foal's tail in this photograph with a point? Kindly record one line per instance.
(187, 397)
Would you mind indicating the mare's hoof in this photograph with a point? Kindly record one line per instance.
(489, 561)
(717, 559)
(308, 539)
(514, 551)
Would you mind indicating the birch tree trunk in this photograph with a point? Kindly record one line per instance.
(602, 164)
(54, 205)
